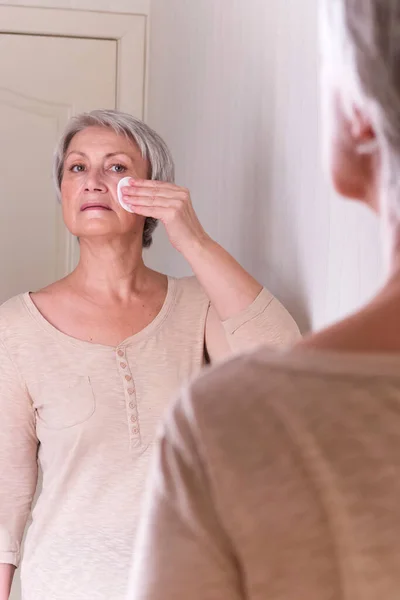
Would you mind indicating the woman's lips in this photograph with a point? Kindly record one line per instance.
(95, 207)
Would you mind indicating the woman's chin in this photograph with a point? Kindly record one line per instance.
(95, 229)
(103, 234)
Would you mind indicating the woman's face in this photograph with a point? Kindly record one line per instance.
(96, 159)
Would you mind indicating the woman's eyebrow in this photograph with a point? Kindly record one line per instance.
(110, 154)
(75, 152)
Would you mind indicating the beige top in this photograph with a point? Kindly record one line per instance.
(90, 411)
(278, 478)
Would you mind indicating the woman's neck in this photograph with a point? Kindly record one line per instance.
(111, 270)
(390, 239)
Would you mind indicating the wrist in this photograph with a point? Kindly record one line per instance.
(199, 249)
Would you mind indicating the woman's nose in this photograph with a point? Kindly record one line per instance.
(95, 183)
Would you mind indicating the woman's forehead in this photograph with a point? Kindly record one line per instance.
(102, 139)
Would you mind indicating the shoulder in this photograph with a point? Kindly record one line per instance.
(18, 310)
(18, 325)
(11, 312)
(189, 290)
(251, 396)
(373, 328)
(242, 413)
(337, 337)
(189, 284)
(244, 379)
(241, 388)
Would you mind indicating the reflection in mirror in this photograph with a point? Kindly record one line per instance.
(94, 344)
(102, 351)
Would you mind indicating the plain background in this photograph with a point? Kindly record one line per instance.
(234, 89)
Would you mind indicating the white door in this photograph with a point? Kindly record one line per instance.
(43, 81)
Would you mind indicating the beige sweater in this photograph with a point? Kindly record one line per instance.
(90, 413)
(277, 478)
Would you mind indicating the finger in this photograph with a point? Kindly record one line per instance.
(153, 201)
(132, 192)
(155, 183)
(157, 212)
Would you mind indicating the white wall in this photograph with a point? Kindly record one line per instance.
(120, 6)
(234, 90)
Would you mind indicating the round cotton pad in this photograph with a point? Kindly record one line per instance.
(123, 182)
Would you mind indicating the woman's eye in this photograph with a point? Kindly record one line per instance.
(118, 168)
(77, 168)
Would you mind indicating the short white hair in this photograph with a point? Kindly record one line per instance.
(151, 145)
(361, 40)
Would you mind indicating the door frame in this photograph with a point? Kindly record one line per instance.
(128, 30)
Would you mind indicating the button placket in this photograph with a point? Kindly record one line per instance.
(130, 398)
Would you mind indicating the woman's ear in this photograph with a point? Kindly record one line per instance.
(363, 133)
(353, 153)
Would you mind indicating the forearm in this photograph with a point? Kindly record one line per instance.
(228, 285)
(6, 578)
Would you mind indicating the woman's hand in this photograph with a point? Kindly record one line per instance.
(229, 287)
(171, 205)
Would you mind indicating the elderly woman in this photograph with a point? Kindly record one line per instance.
(89, 364)
(279, 477)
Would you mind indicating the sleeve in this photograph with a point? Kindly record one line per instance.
(265, 322)
(18, 459)
(181, 550)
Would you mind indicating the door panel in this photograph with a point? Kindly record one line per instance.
(43, 81)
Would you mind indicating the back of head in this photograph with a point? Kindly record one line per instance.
(361, 42)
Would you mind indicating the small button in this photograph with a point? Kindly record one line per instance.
(134, 430)
(120, 353)
(133, 419)
(128, 378)
(131, 405)
(123, 365)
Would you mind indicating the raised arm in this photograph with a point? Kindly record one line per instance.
(243, 314)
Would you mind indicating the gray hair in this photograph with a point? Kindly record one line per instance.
(150, 144)
(363, 38)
